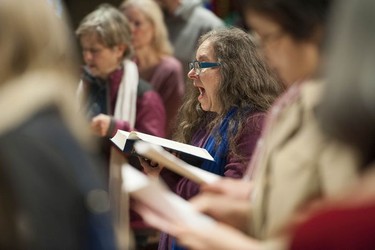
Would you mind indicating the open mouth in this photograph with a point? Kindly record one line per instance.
(202, 91)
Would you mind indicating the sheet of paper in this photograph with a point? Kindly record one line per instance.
(156, 196)
(163, 157)
(121, 137)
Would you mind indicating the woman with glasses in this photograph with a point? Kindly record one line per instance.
(223, 111)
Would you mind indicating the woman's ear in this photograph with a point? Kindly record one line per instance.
(120, 50)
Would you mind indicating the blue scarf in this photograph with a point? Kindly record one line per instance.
(218, 152)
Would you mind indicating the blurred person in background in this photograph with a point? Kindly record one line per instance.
(187, 21)
(113, 95)
(153, 55)
(52, 196)
(156, 64)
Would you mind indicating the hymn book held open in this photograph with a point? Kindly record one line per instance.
(191, 154)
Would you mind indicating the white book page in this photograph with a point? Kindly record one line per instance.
(186, 148)
(160, 200)
(163, 157)
(120, 139)
(121, 136)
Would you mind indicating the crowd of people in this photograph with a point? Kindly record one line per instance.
(285, 108)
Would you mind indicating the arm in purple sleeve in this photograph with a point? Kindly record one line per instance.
(237, 164)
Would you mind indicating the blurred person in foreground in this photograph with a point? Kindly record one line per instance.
(187, 21)
(294, 163)
(52, 196)
(347, 113)
(223, 112)
(154, 55)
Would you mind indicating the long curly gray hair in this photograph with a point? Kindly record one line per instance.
(246, 84)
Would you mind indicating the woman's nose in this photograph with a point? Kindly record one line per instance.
(87, 56)
(192, 75)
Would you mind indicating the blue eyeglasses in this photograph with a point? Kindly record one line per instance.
(198, 66)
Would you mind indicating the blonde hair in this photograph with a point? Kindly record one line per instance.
(111, 26)
(33, 41)
(39, 62)
(153, 12)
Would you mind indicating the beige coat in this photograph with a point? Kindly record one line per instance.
(297, 163)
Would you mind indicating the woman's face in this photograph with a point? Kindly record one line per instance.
(293, 60)
(141, 26)
(100, 59)
(208, 80)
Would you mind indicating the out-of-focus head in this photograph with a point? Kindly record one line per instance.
(347, 111)
(105, 38)
(147, 23)
(32, 37)
(290, 33)
(39, 64)
(238, 76)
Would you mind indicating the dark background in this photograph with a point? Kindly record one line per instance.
(77, 9)
(228, 10)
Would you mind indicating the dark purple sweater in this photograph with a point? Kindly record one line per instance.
(235, 167)
(150, 111)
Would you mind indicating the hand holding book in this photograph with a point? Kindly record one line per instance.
(150, 168)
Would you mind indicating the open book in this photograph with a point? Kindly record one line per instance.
(158, 154)
(193, 155)
(160, 202)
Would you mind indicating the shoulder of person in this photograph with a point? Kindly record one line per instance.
(143, 87)
(256, 116)
(170, 64)
(311, 92)
(255, 120)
